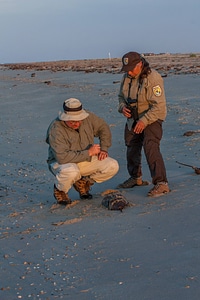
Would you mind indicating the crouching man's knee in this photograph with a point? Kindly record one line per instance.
(66, 175)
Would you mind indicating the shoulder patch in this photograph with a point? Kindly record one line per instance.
(157, 90)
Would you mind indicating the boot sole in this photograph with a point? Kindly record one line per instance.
(130, 187)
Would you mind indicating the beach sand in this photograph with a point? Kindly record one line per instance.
(149, 251)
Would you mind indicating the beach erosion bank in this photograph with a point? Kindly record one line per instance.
(164, 63)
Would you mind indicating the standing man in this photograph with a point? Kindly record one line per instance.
(73, 157)
(142, 101)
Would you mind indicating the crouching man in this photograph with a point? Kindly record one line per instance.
(73, 158)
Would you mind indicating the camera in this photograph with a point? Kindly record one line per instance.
(132, 105)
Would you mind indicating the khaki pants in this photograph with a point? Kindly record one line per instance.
(98, 170)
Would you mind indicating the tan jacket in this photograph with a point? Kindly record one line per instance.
(67, 145)
(151, 97)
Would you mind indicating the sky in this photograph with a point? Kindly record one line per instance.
(51, 30)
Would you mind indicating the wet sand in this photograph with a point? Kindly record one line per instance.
(149, 251)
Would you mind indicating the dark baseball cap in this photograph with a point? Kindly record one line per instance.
(130, 60)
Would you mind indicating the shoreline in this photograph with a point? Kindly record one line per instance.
(165, 64)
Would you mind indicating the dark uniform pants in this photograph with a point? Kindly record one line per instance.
(149, 139)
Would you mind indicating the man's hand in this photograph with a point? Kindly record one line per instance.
(102, 155)
(94, 150)
(126, 112)
(139, 127)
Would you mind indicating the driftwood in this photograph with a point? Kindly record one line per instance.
(197, 170)
(191, 132)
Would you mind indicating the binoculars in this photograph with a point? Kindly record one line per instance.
(132, 105)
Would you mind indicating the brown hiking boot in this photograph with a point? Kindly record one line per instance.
(61, 197)
(131, 182)
(161, 188)
(83, 186)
